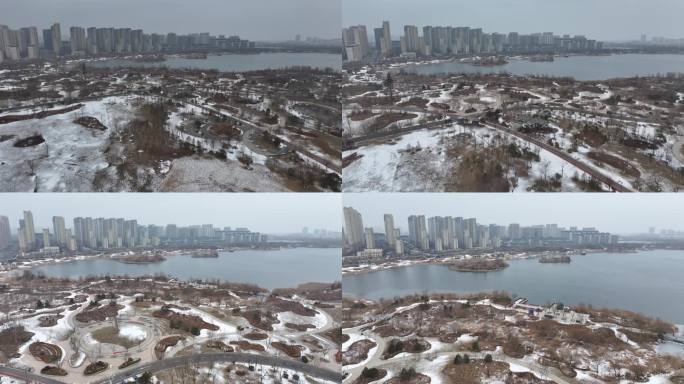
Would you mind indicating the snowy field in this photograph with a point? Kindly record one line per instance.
(73, 157)
(385, 167)
(71, 153)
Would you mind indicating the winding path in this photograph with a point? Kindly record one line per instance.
(232, 357)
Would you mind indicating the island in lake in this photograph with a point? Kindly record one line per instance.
(479, 265)
(141, 258)
(204, 253)
(555, 259)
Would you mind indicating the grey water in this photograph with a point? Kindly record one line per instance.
(581, 68)
(270, 269)
(234, 62)
(649, 282)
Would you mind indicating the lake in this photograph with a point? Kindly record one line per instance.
(235, 62)
(648, 282)
(579, 67)
(269, 269)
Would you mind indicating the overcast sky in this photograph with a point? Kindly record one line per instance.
(251, 19)
(599, 19)
(617, 213)
(261, 212)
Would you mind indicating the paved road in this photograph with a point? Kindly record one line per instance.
(207, 358)
(614, 185)
(22, 374)
(182, 361)
(290, 145)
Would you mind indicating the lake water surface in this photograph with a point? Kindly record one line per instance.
(579, 67)
(648, 282)
(269, 269)
(235, 62)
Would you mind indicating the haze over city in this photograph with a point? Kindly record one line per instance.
(264, 20)
(624, 214)
(608, 20)
(266, 213)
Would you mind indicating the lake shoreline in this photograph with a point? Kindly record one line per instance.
(369, 268)
(581, 67)
(646, 282)
(270, 268)
(225, 63)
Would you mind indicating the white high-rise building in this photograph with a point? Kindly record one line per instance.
(411, 38)
(79, 42)
(370, 238)
(390, 232)
(59, 229)
(5, 232)
(353, 228)
(56, 38)
(386, 44)
(46, 237)
(29, 230)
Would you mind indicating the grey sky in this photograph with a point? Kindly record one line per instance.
(251, 19)
(262, 212)
(599, 19)
(618, 213)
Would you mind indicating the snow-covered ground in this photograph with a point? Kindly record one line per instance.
(71, 153)
(383, 168)
(132, 332)
(377, 169)
(196, 174)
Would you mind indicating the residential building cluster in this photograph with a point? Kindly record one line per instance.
(24, 43)
(89, 233)
(439, 234)
(446, 40)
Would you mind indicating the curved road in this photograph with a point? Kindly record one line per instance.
(614, 185)
(27, 376)
(327, 164)
(232, 357)
(182, 361)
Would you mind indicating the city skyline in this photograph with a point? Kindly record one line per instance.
(429, 40)
(287, 214)
(610, 20)
(264, 20)
(566, 210)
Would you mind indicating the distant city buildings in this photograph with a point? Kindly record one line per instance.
(446, 233)
(355, 42)
(354, 236)
(24, 43)
(102, 233)
(5, 232)
(447, 40)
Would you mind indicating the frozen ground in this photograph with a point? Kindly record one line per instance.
(132, 332)
(390, 167)
(74, 158)
(71, 153)
(380, 167)
(195, 174)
